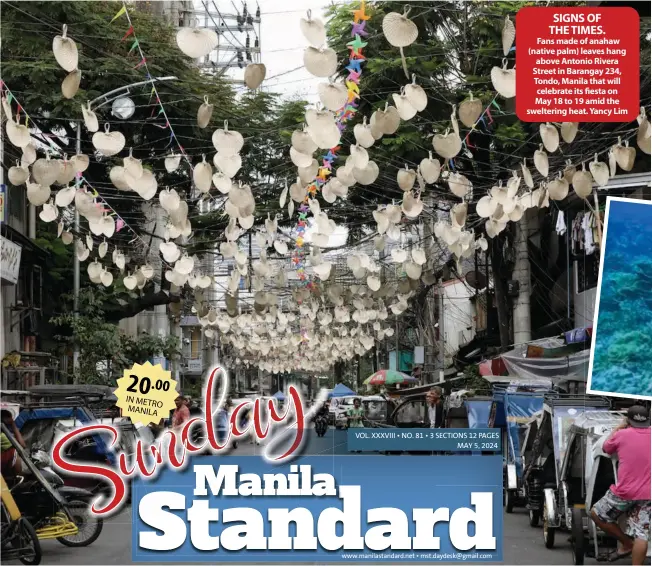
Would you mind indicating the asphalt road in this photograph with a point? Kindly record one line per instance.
(522, 543)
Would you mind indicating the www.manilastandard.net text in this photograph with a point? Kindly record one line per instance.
(435, 556)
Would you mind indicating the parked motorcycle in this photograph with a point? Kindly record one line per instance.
(49, 516)
(321, 425)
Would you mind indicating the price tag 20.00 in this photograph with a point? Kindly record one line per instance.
(146, 393)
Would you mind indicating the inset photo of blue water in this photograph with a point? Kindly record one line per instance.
(622, 355)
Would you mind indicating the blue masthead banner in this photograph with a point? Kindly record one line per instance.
(322, 509)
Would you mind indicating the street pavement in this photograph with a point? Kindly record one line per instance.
(522, 544)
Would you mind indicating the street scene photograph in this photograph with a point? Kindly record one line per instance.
(325, 282)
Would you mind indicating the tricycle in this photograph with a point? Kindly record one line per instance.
(467, 409)
(56, 511)
(541, 478)
(376, 410)
(17, 535)
(61, 410)
(586, 474)
(513, 407)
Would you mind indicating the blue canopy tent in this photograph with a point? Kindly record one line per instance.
(341, 390)
(279, 395)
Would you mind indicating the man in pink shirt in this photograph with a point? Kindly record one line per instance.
(181, 413)
(631, 493)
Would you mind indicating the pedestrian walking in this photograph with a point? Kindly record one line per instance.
(630, 494)
(223, 422)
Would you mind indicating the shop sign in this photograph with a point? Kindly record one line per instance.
(195, 365)
(10, 260)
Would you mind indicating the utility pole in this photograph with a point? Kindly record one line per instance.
(500, 290)
(522, 316)
(235, 48)
(94, 104)
(397, 343)
(442, 337)
(76, 266)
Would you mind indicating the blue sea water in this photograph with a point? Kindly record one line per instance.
(623, 349)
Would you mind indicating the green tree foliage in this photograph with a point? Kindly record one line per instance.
(108, 62)
(104, 351)
(473, 381)
(458, 44)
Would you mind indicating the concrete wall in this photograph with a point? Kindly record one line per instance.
(458, 317)
(585, 307)
(16, 212)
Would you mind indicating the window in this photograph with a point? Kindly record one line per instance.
(375, 410)
(195, 343)
(242, 286)
(192, 343)
(411, 412)
(16, 203)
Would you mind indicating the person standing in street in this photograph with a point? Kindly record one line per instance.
(631, 493)
(181, 413)
(435, 406)
(355, 415)
(10, 465)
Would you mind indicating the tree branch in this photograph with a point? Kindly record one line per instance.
(135, 306)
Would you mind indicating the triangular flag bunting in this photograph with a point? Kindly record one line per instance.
(129, 32)
(121, 12)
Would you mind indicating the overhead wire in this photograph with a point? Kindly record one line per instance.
(371, 191)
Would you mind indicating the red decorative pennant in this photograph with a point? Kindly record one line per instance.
(130, 31)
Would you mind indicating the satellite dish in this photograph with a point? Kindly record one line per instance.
(476, 279)
(123, 108)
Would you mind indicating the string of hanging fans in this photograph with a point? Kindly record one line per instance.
(103, 220)
(340, 99)
(154, 92)
(67, 169)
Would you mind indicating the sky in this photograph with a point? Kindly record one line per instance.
(282, 44)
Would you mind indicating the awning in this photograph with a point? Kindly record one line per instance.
(493, 367)
(548, 358)
(23, 241)
(190, 320)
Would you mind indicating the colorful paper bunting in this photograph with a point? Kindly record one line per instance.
(348, 111)
(121, 12)
(359, 29)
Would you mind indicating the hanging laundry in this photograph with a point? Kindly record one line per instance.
(561, 224)
(577, 236)
(584, 234)
(589, 245)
